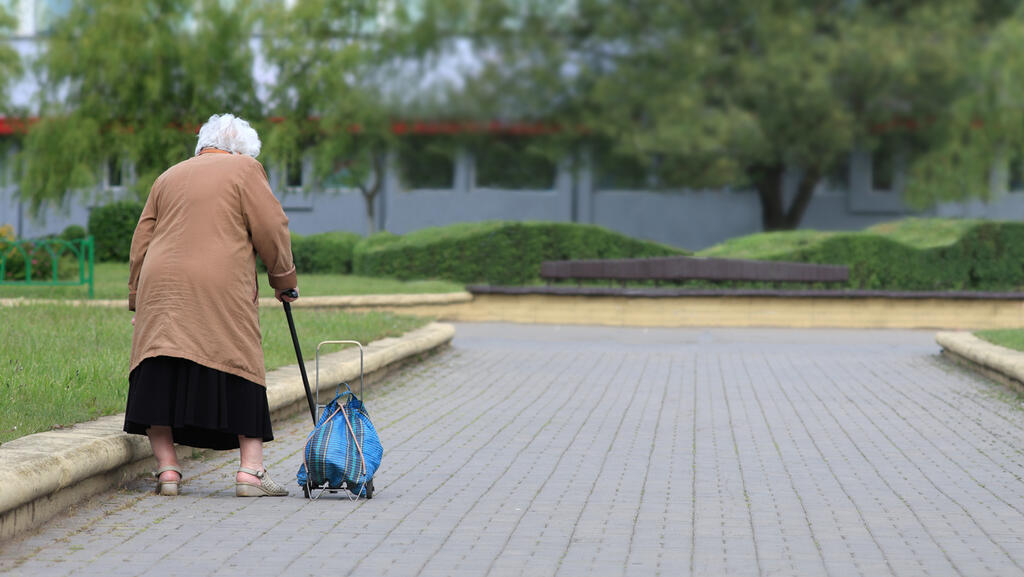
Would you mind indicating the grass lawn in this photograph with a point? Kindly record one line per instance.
(61, 364)
(1009, 338)
(111, 282)
(765, 245)
(920, 233)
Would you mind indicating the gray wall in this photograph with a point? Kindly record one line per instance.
(686, 218)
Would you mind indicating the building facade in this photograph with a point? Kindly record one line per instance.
(469, 185)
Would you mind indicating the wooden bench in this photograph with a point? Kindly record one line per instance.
(681, 268)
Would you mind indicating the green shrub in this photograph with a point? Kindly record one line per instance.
(73, 232)
(112, 226)
(41, 258)
(918, 254)
(493, 252)
(328, 252)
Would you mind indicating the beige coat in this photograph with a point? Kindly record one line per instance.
(192, 277)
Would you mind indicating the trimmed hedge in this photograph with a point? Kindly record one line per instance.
(328, 252)
(112, 226)
(987, 256)
(493, 252)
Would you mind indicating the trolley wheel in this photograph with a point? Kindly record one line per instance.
(305, 491)
(369, 489)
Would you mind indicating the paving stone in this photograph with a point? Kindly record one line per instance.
(547, 450)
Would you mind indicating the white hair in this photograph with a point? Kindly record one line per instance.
(230, 133)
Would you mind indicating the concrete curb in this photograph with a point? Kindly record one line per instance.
(996, 362)
(355, 301)
(45, 473)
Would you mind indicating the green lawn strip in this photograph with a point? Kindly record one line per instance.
(924, 233)
(111, 282)
(61, 365)
(919, 233)
(765, 245)
(1009, 338)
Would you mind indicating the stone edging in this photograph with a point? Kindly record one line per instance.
(996, 362)
(43, 474)
(662, 292)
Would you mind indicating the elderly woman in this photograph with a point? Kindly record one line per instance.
(197, 374)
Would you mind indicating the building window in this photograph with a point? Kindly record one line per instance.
(114, 173)
(513, 163)
(1015, 174)
(619, 171)
(293, 174)
(884, 164)
(427, 162)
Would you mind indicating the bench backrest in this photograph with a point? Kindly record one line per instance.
(691, 268)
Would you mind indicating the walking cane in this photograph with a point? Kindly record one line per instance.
(291, 293)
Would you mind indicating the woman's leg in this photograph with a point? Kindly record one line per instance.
(251, 449)
(251, 457)
(162, 440)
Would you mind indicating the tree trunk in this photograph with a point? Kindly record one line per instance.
(371, 213)
(768, 180)
(370, 191)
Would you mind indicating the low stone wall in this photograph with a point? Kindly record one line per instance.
(685, 308)
(742, 308)
(995, 362)
(43, 474)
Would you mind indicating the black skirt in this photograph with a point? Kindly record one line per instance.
(204, 407)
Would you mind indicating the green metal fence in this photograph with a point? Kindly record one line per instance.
(47, 262)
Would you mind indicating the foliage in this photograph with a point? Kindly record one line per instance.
(494, 252)
(747, 93)
(34, 259)
(10, 62)
(925, 232)
(125, 83)
(73, 232)
(917, 233)
(961, 255)
(766, 245)
(39, 254)
(327, 100)
(328, 252)
(91, 380)
(982, 129)
(112, 226)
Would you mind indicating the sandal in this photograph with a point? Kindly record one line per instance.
(266, 487)
(167, 488)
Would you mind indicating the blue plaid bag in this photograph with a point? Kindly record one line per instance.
(343, 451)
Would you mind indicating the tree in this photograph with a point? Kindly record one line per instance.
(127, 82)
(10, 62)
(976, 140)
(736, 94)
(329, 97)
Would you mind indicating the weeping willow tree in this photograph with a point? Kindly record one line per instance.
(10, 61)
(328, 101)
(124, 86)
(977, 143)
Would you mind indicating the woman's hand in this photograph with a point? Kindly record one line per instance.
(287, 295)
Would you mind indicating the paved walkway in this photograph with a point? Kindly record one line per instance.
(547, 450)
